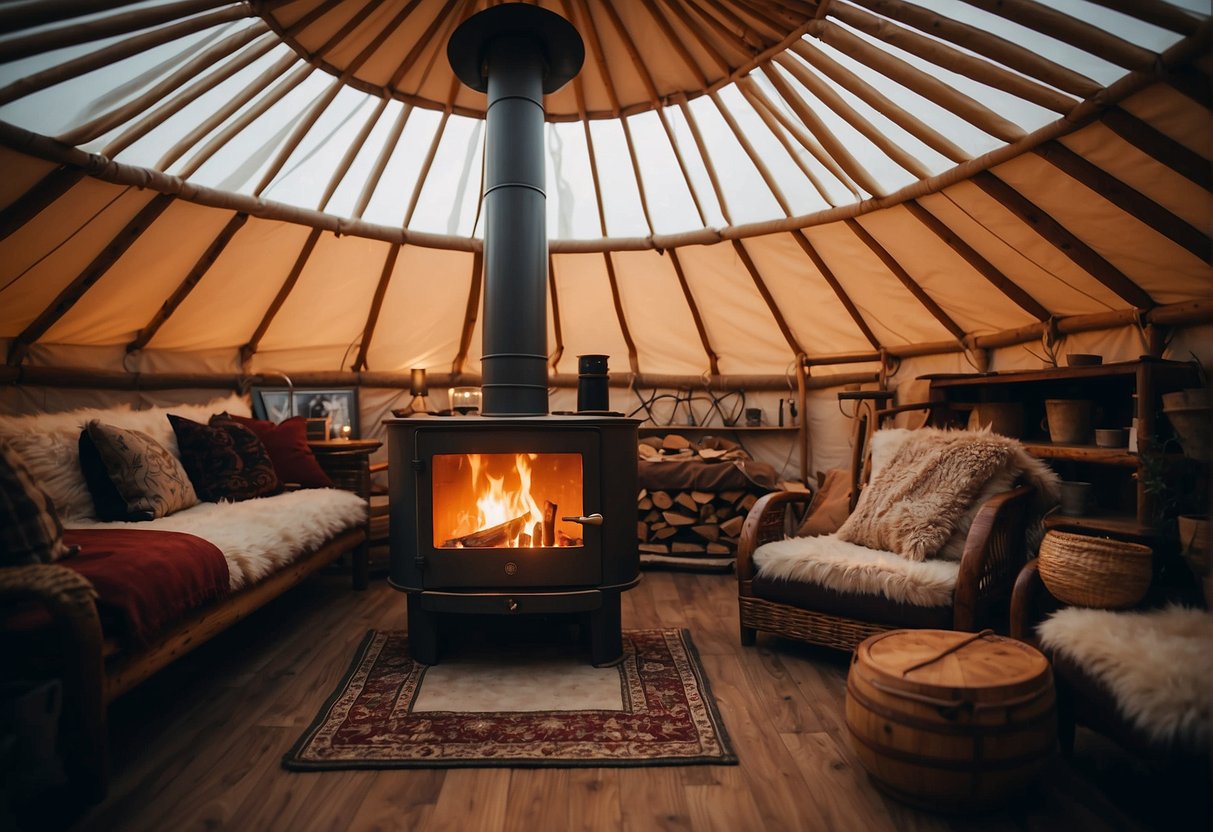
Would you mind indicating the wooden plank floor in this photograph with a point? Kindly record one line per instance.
(199, 745)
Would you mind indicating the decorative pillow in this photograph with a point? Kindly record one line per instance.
(30, 531)
(148, 479)
(286, 442)
(830, 506)
(225, 461)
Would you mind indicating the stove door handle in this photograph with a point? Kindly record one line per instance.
(589, 520)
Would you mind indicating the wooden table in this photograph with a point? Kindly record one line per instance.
(348, 464)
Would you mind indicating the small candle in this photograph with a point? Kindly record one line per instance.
(345, 431)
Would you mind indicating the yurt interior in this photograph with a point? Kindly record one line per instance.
(605, 415)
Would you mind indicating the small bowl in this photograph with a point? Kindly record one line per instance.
(1111, 437)
(1083, 359)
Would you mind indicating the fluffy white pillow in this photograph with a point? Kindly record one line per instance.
(48, 443)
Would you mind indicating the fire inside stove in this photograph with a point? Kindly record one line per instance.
(484, 501)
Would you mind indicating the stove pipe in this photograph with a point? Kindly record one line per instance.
(516, 53)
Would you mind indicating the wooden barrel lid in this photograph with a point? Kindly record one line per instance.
(935, 661)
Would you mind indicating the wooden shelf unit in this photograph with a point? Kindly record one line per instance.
(1123, 391)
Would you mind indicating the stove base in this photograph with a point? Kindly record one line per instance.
(598, 611)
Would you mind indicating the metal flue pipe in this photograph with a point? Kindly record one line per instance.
(516, 53)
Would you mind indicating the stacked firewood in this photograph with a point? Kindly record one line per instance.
(692, 524)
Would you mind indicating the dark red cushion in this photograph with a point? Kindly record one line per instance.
(288, 448)
(224, 462)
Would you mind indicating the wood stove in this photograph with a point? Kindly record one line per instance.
(518, 516)
(517, 512)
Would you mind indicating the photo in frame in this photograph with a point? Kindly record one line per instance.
(338, 404)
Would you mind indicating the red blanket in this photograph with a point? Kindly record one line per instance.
(147, 579)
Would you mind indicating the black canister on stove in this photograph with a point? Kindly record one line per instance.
(592, 378)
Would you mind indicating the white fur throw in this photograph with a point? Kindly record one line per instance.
(48, 444)
(928, 484)
(259, 536)
(1157, 663)
(845, 567)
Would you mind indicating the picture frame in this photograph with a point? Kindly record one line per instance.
(338, 404)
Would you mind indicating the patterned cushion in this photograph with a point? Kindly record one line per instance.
(148, 479)
(29, 527)
(225, 461)
(287, 445)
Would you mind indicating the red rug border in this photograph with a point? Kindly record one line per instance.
(291, 761)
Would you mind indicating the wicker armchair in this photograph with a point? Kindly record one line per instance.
(993, 554)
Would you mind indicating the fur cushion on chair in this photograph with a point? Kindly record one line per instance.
(845, 567)
(1157, 663)
(928, 485)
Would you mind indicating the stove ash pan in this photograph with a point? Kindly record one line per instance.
(513, 516)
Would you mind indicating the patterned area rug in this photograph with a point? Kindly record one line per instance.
(524, 708)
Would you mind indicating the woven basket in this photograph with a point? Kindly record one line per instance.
(1093, 571)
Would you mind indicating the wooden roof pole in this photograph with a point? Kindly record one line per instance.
(713, 360)
(682, 166)
(827, 96)
(187, 142)
(638, 63)
(192, 93)
(687, 59)
(839, 292)
(890, 263)
(1067, 243)
(470, 313)
(1071, 30)
(633, 361)
(31, 203)
(882, 104)
(318, 11)
(746, 39)
(385, 154)
(981, 265)
(86, 279)
(697, 32)
(554, 360)
(993, 47)
(759, 164)
(1158, 12)
(761, 285)
(372, 317)
(425, 168)
(300, 131)
(1164, 149)
(347, 161)
(187, 72)
(913, 78)
(954, 60)
(368, 7)
(579, 95)
(20, 16)
(747, 88)
(119, 51)
(774, 29)
(292, 277)
(855, 173)
(705, 158)
(1130, 200)
(178, 296)
(422, 43)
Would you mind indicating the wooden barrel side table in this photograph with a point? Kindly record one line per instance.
(950, 721)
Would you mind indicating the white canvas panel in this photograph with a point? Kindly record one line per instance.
(739, 324)
(47, 253)
(226, 306)
(1020, 253)
(1164, 269)
(893, 314)
(671, 205)
(128, 295)
(421, 320)
(448, 200)
(339, 279)
(21, 173)
(588, 321)
(1142, 172)
(811, 308)
(657, 313)
(964, 294)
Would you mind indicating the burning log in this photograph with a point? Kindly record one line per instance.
(549, 523)
(499, 535)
